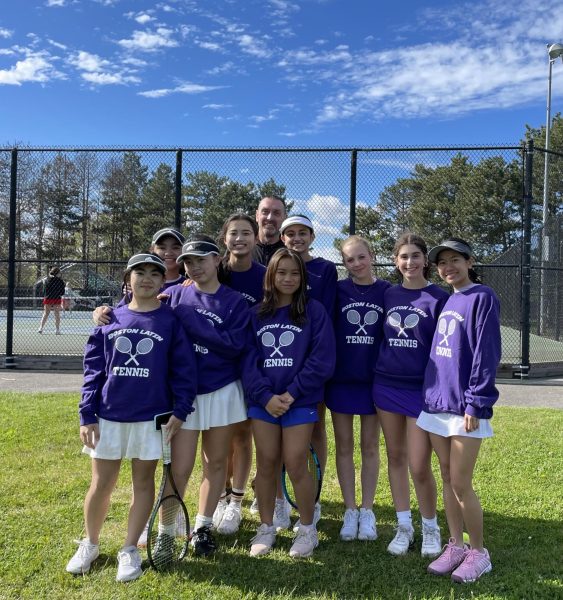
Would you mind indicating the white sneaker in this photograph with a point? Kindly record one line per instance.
(231, 519)
(367, 530)
(263, 541)
(305, 542)
(142, 543)
(431, 541)
(282, 510)
(128, 564)
(403, 540)
(219, 512)
(83, 558)
(254, 510)
(349, 530)
(316, 518)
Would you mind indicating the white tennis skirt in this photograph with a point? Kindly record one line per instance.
(448, 425)
(127, 440)
(224, 406)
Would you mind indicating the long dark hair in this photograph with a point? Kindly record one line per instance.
(225, 268)
(472, 273)
(407, 238)
(297, 309)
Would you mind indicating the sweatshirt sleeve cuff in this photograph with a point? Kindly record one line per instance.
(88, 419)
(473, 411)
(293, 389)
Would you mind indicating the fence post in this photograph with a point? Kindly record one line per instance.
(353, 175)
(178, 191)
(526, 260)
(9, 360)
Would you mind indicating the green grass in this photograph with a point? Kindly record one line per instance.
(44, 478)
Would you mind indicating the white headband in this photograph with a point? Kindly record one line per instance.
(296, 220)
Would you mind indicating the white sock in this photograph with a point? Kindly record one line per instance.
(404, 518)
(433, 522)
(167, 529)
(202, 521)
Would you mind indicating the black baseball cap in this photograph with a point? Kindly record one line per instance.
(454, 245)
(197, 248)
(146, 259)
(168, 231)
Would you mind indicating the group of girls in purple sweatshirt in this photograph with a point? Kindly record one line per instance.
(240, 351)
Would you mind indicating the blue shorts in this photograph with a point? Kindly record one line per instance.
(294, 416)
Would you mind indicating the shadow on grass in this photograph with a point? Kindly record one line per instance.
(526, 564)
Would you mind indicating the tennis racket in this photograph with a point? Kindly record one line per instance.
(169, 525)
(144, 346)
(314, 467)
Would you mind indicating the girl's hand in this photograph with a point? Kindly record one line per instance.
(276, 406)
(163, 297)
(102, 315)
(287, 398)
(173, 425)
(187, 283)
(471, 423)
(90, 435)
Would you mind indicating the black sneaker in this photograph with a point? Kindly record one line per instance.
(202, 541)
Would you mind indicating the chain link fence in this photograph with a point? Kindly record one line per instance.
(88, 210)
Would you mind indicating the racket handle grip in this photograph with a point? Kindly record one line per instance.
(166, 448)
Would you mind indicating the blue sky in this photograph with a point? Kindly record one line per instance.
(275, 72)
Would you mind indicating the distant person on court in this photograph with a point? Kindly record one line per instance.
(411, 313)
(53, 291)
(140, 365)
(283, 390)
(270, 214)
(358, 323)
(459, 394)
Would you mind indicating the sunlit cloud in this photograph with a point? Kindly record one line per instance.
(185, 88)
(150, 41)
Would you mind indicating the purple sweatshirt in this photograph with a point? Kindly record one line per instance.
(249, 283)
(465, 353)
(409, 323)
(321, 282)
(284, 357)
(358, 325)
(139, 365)
(217, 323)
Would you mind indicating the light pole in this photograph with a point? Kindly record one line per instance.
(554, 51)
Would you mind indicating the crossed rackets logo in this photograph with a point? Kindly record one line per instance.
(269, 341)
(446, 329)
(354, 318)
(411, 321)
(123, 344)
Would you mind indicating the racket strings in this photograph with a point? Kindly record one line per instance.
(168, 536)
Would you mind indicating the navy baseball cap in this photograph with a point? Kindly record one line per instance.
(454, 245)
(168, 231)
(146, 259)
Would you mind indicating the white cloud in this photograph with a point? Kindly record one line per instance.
(144, 18)
(34, 68)
(51, 3)
(272, 114)
(109, 78)
(147, 41)
(217, 106)
(185, 88)
(57, 44)
(254, 46)
(209, 46)
(88, 62)
(6, 33)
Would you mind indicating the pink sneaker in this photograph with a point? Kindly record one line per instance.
(451, 557)
(473, 566)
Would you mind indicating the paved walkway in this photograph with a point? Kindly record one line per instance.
(538, 393)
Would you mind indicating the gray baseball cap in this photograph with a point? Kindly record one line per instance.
(197, 248)
(454, 245)
(146, 259)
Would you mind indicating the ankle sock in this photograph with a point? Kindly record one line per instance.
(430, 522)
(404, 518)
